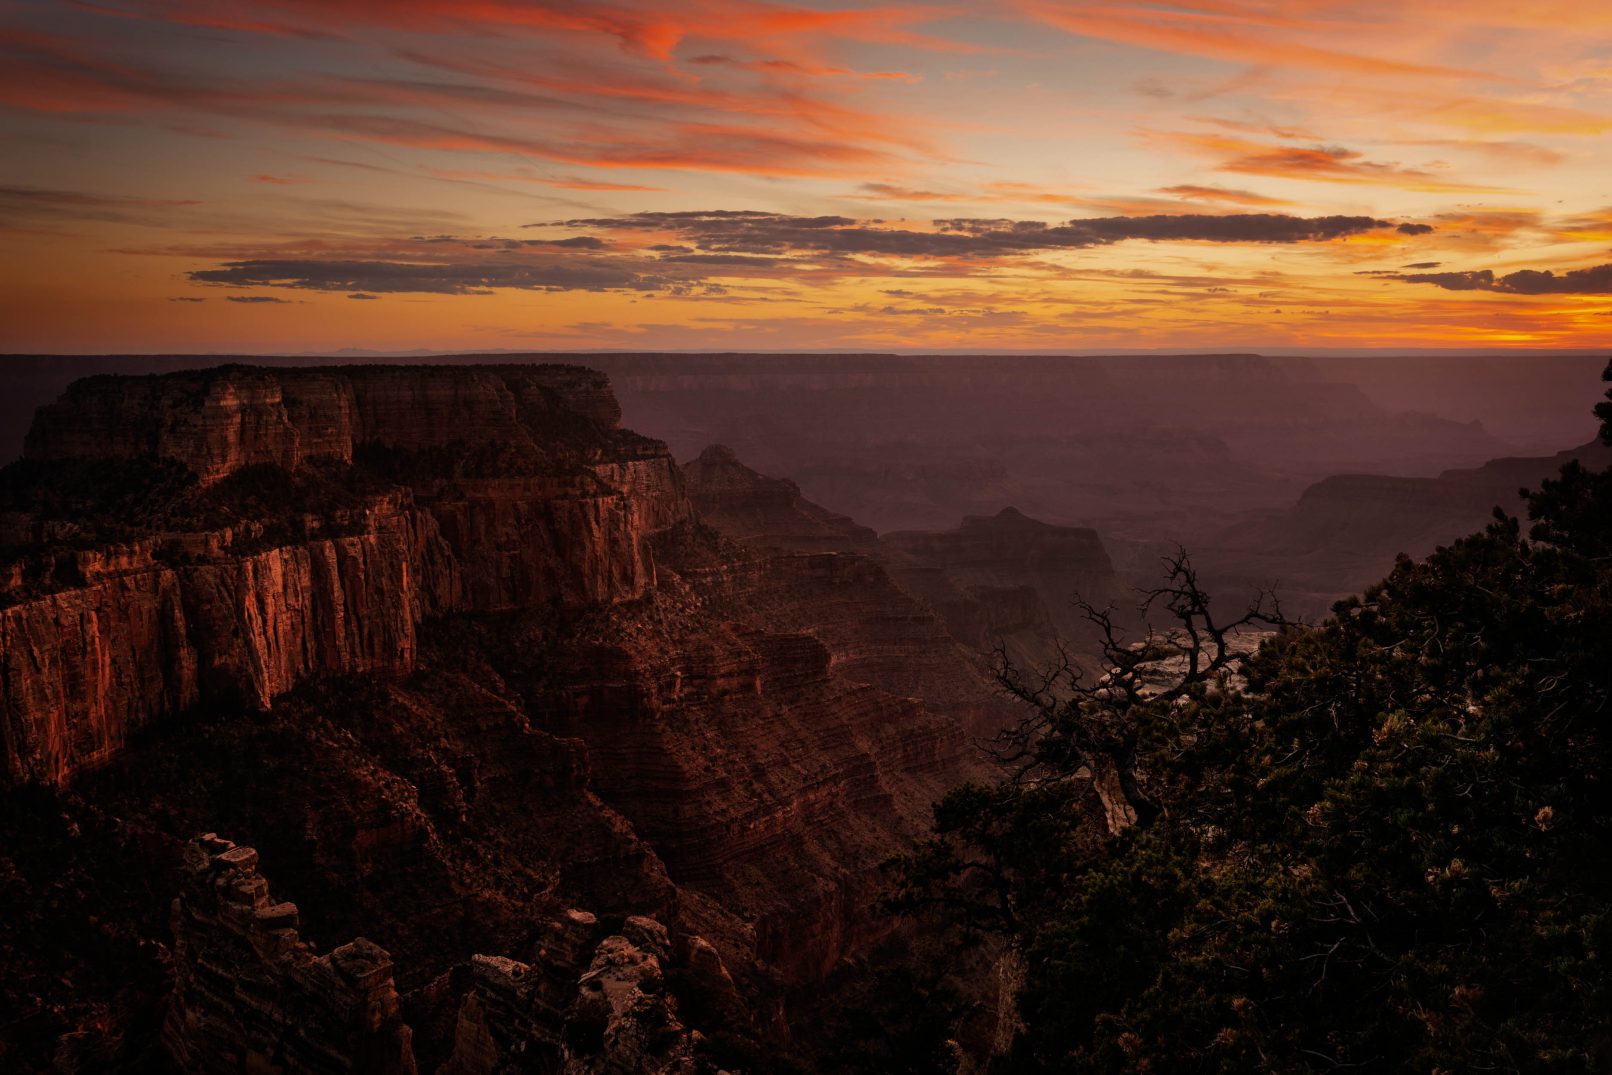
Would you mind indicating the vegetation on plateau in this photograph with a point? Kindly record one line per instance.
(1384, 846)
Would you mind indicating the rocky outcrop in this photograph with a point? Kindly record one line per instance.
(1383, 514)
(563, 517)
(250, 995)
(1013, 619)
(622, 1022)
(514, 1014)
(1011, 549)
(893, 603)
(608, 1015)
(884, 622)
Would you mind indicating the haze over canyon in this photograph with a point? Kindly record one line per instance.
(805, 537)
(598, 741)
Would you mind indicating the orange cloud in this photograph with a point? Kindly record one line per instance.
(652, 30)
(573, 84)
(587, 110)
(1525, 153)
(1232, 32)
(1593, 227)
(1003, 191)
(891, 192)
(791, 67)
(1221, 194)
(1331, 164)
(601, 185)
(26, 208)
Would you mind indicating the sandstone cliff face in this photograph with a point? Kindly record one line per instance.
(182, 619)
(681, 757)
(218, 421)
(559, 693)
(83, 668)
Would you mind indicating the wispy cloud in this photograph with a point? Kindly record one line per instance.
(1330, 164)
(1242, 34)
(1198, 192)
(1143, 170)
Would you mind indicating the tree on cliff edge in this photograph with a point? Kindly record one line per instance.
(1388, 851)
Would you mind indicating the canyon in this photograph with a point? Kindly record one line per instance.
(455, 657)
(422, 717)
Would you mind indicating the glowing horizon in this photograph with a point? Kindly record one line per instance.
(730, 174)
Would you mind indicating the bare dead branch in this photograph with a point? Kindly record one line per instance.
(1074, 724)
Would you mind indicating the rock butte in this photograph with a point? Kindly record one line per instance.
(517, 679)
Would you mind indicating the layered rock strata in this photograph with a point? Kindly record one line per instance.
(1005, 612)
(506, 674)
(560, 510)
(767, 512)
(220, 420)
(999, 562)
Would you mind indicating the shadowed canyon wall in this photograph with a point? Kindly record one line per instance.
(454, 652)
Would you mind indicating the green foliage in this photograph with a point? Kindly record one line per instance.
(1388, 853)
(896, 1019)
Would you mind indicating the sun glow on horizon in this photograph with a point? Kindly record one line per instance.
(738, 174)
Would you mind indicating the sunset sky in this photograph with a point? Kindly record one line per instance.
(728, 174)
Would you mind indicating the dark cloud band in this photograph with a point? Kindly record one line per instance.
(374, 277)
(749, 232)
(1591, 281)
(737, 242)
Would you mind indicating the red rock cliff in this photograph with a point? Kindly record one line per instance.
(217, 421)
(559, 511)
(638, 716)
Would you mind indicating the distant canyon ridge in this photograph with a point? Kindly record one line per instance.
(1272, 471)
